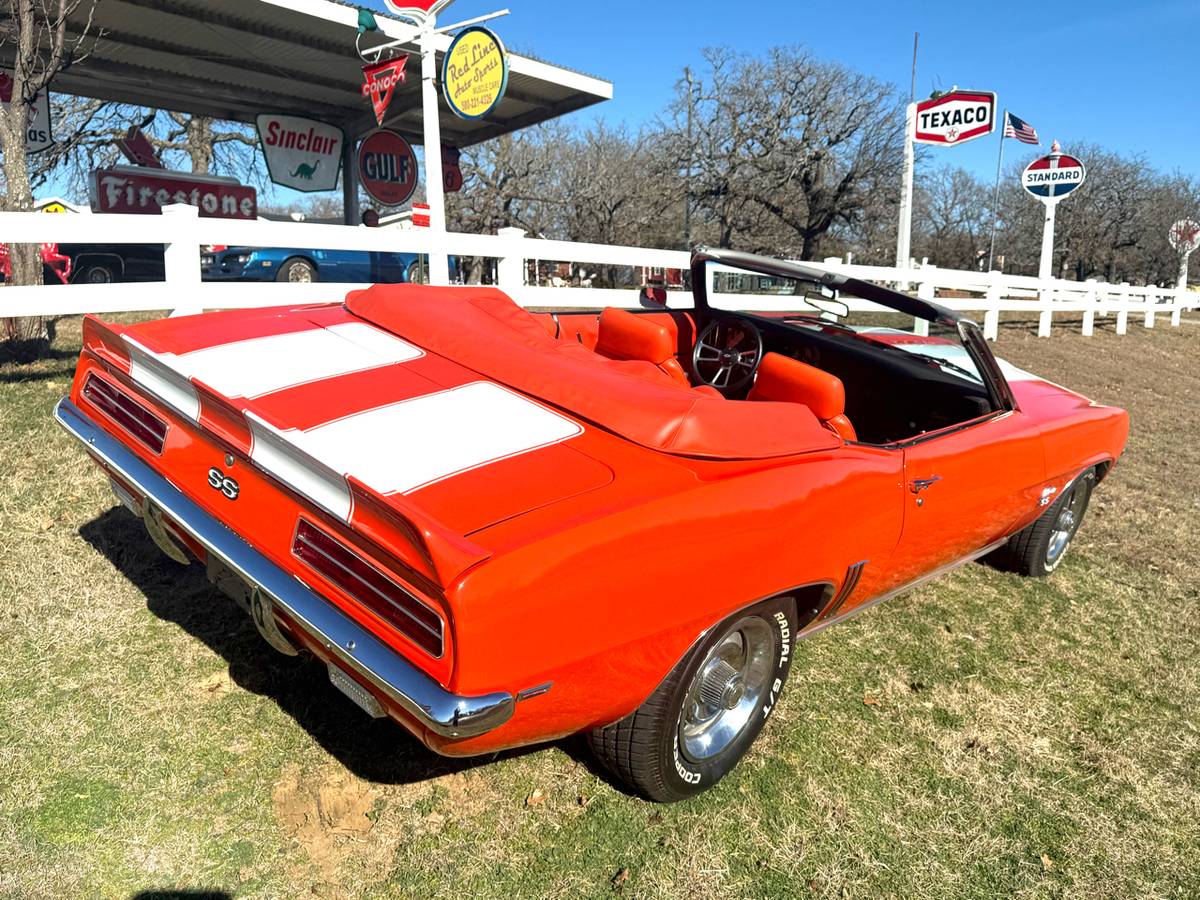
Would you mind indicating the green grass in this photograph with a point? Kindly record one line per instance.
(984, 736)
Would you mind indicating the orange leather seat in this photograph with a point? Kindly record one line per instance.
(790, 381)
(623, 335)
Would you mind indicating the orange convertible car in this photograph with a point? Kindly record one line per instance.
(499, 527)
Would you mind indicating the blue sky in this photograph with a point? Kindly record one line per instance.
(1118, 74)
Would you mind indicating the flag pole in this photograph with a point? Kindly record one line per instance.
(996, 192)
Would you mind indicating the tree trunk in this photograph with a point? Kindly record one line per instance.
(200, 143)
(25, 260)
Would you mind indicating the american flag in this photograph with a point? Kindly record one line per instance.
(1019, 129)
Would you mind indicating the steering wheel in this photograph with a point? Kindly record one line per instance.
(727, 354)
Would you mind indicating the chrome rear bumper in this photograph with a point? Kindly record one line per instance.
(355, 648)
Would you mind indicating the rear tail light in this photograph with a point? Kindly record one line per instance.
(126, 412)
(341, 566)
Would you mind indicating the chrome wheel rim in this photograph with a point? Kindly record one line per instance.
(300, 275)
(1065, 526)
(726, 690)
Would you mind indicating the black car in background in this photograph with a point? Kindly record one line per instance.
(114, 263)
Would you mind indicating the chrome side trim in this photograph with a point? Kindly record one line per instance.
(849, 583)
(356, 649)
(916, 582)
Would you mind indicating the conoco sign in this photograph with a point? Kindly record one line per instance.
(128, 189)
(387, 167)
(955, 118)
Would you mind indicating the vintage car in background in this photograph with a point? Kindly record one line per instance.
(305, 266)
(56, 267)
(114, 263)
(501, 528)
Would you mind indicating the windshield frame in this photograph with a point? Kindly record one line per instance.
(968, 331)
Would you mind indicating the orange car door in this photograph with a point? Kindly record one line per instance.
(966, 489)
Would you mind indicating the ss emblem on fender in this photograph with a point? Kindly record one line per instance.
(219, 481)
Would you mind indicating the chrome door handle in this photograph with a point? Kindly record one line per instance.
(917, 485)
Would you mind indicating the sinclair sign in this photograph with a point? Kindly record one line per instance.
(136, 190)
(302, 154)
(955, 118)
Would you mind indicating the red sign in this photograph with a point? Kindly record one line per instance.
(138, 149)
(955, 118)
(420, 215)
(379, 83)
(452, 176)
(387, 167)
(130, 190)
(416, 9)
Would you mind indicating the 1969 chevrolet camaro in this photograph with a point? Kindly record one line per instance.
(499, 527)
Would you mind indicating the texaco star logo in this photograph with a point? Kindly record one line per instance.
(952, 135)
(1185, 236)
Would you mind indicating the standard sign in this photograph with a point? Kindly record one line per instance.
(956, 117)
(302, 154)
(37, 130)
(387, 167)
(474, 73)
(1053, 177)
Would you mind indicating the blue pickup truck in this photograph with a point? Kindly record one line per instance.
(306, 266)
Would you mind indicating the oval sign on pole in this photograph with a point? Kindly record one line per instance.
(1053, 177)
(387, 167)
(474, 73)
(955, 118)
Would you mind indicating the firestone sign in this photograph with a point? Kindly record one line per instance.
(128, 189)
(955, 118)
(387, 167)
(302, 154)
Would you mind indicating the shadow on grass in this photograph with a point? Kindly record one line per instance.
(377, 750)
(186, 894)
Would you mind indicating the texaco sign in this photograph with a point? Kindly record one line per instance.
(955, 118)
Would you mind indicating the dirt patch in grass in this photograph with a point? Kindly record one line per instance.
(1023, 738)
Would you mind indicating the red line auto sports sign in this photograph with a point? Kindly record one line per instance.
(955, 118)
(387, 167)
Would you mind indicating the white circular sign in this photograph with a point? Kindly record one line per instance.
(1185, 235)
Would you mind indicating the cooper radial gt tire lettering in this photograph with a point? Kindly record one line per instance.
(680, 742)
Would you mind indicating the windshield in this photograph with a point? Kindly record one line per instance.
(810, 304)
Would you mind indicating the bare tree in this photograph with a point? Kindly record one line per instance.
(35, 33)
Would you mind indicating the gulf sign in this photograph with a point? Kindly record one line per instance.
(1053, 177)
(955, 118)
(387, 167)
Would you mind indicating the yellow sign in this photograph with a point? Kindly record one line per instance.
(54, 208)
(475, 73)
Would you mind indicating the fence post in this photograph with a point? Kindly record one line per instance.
(1177, 309)
(181, 259)
(1046, 296)
(1123, 308)
(925, 291)
(1151, 300)
(991, 315)
(1091, 298)
(510, 270)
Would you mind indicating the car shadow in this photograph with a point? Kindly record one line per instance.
(377, 750)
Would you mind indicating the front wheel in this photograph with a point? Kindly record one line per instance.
(297, 271)
(703, 718)
(1038, 549)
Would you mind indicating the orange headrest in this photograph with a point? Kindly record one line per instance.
(623, 335)
(791, 381)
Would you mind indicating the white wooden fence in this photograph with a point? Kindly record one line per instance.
(183, 232)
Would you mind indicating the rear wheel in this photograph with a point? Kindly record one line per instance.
(705, 715)
(416, 273)
(1038, 549)
(98, 273)
(297, 271)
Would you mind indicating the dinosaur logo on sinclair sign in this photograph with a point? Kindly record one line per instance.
(955, 118)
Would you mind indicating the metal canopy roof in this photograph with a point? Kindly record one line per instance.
(234, 59)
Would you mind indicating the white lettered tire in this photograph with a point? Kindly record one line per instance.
(697, 725)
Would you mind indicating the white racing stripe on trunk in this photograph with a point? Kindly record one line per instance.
(408, 445)
(263, 365)
(153, 372)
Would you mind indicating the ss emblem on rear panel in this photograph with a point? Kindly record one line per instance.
(219, 481)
